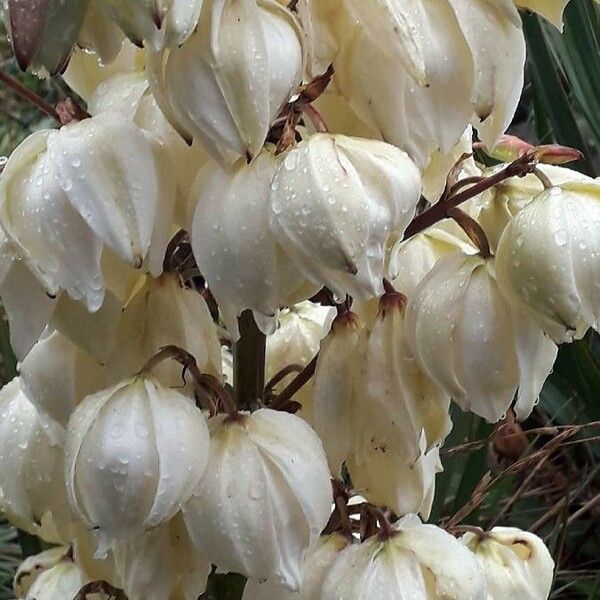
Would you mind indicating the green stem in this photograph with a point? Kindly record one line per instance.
(249, 364)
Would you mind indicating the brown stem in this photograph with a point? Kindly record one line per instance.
(280, 376)
(249, 364)
(473, 230)
(202, 380)
(543, 178)
(317, 120)
(438, 212)
(28, 95)
(296, 385)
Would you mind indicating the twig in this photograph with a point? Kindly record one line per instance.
(584, 509)
(28, 95)
(296, 385)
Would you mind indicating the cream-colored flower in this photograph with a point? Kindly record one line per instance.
(337, 202)
(492, 349)
(265, 496)
(134, 455)
(515, 563)
(242, 261)
(420, 561)
(547, 260)
(228, 82)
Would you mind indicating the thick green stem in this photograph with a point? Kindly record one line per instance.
(249, 364)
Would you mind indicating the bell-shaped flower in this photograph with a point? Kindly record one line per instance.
(32, 490)
(295, 342)
(134, 455)
(56, 375)
(417, 118)
(317, 562)
(87, 70)
(339, 369)
(337, 202)
(547, 260)
(549, 9)
(100, 36)
(515, 563)
(43, 33)
(265, 496)
(401, 420)
(243, 263)
(416, 561)
(62, 581)
(500, 207)
(228, 82)
(66, 193)
(156, 22)
(165, 313)
(128, 94)
(411, 260)
(492, 349)
(494, 34)
(161, 563)
(33, 566)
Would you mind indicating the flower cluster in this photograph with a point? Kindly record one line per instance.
(284, 189)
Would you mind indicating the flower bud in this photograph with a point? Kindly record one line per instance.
(33, 566)
(240, 258)
(161, 563)
(32, 491)
(492, 348)
(401, 420)
(58, 583)
(228, 82)
(65, 193)
(134, 455)
(43, 33)
(157, 22)
(317, 562)
(339, 369)
(336, 202)
(515, 563)
(418, 561)
(547, 260)
(265, 496)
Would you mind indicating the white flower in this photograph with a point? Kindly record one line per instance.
(58, 583)
(411, 260)
(547, 260)
(33, 566)
(513, 195)
(515, 563)
(43, 34)
(243, 263)
(56, 374)
(339, 368)
(157, 22)
(447, 69)
(421, 562)
(401, 419)
(128, 94)
(161, 313)
(134, 455)
(491, 348)
(265, 496)
(228, 82)
(336, 202)
(161, 562)
(296, 341)
(315, 568)
(32, 490)
(66, 193)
